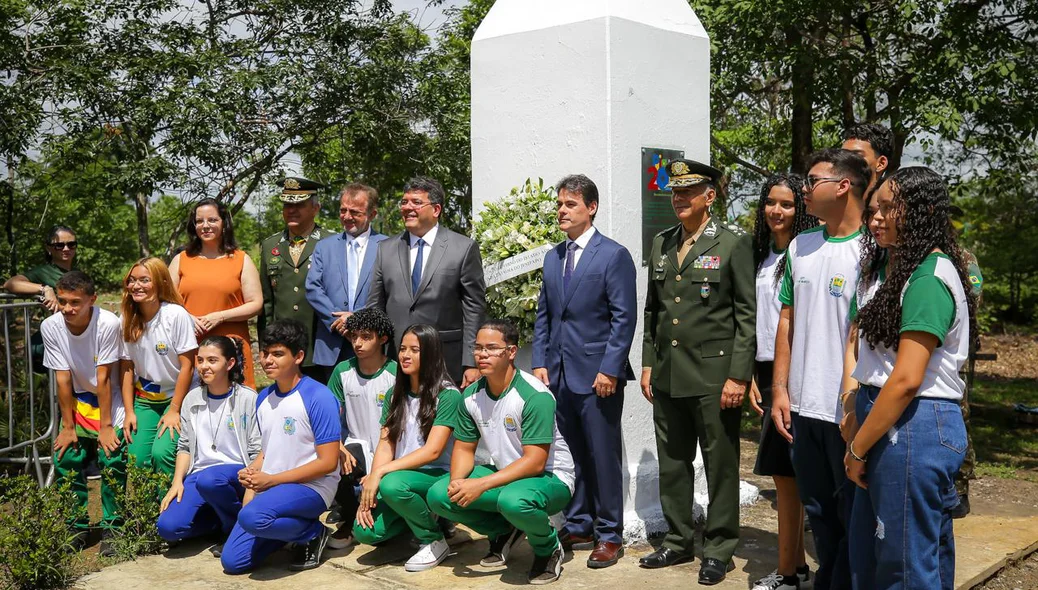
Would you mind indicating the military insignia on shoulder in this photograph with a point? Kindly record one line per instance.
(662, 260)
(735, 229)
(711, 230)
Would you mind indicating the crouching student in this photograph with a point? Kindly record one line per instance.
(360, 384)
(292, 481)
(218, 437)
(417, 422)
(513, 412)
(82, 345)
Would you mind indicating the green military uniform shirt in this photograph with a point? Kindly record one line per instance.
(700, 316)
(284, 283)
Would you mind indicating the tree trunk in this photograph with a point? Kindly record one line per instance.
(140, 203)
(802, 92)
(8, 188)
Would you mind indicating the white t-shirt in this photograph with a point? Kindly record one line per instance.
(523, 415)
(410, 438)
(155, 364)
(768, 306)
(362, 398)
(820, 280)
(215, 428)
(100, 344)
(932, 301)
(293, 424)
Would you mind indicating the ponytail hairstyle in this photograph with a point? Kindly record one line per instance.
(802, 220)
(432, 378)
(231, 348)
(921, 214)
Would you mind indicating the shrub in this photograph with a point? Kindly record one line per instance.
(522, 221)
(140, 503)
(35, 541)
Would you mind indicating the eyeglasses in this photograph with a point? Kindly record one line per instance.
(490, 350)
(813, 181)
(405, 204)
(143, 281)
(62, 245)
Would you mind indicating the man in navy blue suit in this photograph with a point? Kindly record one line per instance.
(340, 276)
(586, 317)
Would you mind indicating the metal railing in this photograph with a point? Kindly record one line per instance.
(27, 408)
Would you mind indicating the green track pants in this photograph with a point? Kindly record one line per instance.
(402, 505)
(148, 450)
(70, 468)
(525, 504)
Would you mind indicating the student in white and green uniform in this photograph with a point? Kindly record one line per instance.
(532, 475)
(915, 331)
(360, 384)
(417, 421)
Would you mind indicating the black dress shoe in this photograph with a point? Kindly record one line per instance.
(714, 571)
(963, 508)
(663, 557)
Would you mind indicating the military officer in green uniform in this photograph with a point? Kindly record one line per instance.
(285, 258)
(697, 360)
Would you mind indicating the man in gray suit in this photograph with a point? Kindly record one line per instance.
(431, 275)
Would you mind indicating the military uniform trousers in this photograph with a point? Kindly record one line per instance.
(681, 423)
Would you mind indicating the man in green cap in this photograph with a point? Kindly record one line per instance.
(697, 360)
(285, 259)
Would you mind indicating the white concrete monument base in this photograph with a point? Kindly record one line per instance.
(582, 86)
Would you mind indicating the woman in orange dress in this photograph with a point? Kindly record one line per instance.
(218, 281)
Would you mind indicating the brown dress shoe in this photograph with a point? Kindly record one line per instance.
(578, 542)
(605, 554)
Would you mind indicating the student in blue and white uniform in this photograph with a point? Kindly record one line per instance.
(294, 478)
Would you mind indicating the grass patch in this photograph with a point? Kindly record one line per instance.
(1004, 445)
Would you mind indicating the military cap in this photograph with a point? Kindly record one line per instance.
(686, 173)
(296, 189)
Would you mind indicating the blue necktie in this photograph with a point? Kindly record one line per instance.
(416, 272)
(567, 274)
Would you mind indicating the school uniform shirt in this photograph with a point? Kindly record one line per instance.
(768, 305)
(410, 438)
(362, 398)
(932, 301)
(156, 365)
(523, 415)
(293, 424)
(100, 344)
(820, 280)
(215, 427)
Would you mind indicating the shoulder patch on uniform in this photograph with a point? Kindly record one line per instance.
(735, 229)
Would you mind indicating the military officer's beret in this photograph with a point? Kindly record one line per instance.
(686, 173)
(296, 189)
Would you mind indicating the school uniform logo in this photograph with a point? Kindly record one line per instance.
(162, 348)
(289, 426)
(230, 422)
(380, 399)
(836, 285)
(510, 424)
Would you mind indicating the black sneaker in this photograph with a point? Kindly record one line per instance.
(335, 515)
(447, 528)
(963, 508)
(308, 556)
(546, 570)
(216, 550)
(91, 470)
(500, 547)
(106, 549)
(78, 539)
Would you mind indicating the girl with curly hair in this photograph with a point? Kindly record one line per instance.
(781, 215)
(915, 330)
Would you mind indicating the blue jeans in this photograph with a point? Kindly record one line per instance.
(211, 501)
(286, 513)
(817, 452)
(901, 529)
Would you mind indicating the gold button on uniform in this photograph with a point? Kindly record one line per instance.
(677, 277)
(296, 289)
(675, 321)
(673, 342)
(677, 300)
(297, 270)
(722, 353)
(295, 308)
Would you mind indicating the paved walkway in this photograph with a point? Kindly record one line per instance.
(982, 543)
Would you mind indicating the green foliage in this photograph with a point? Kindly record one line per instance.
(141, 501)
(35, 541)
(521, 221)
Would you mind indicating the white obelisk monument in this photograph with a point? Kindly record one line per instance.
(581, 86)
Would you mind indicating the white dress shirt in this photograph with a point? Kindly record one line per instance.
(582, 242)
(430, 239)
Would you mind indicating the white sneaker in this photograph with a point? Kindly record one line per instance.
(774, 581)
(429, 556)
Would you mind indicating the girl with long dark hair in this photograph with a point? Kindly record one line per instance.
(781, 215)
(915, 332)
(219, 437)
(417, 423)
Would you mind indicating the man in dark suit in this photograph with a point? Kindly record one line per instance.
(431, 275)
(340, 278)
(586, 316)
